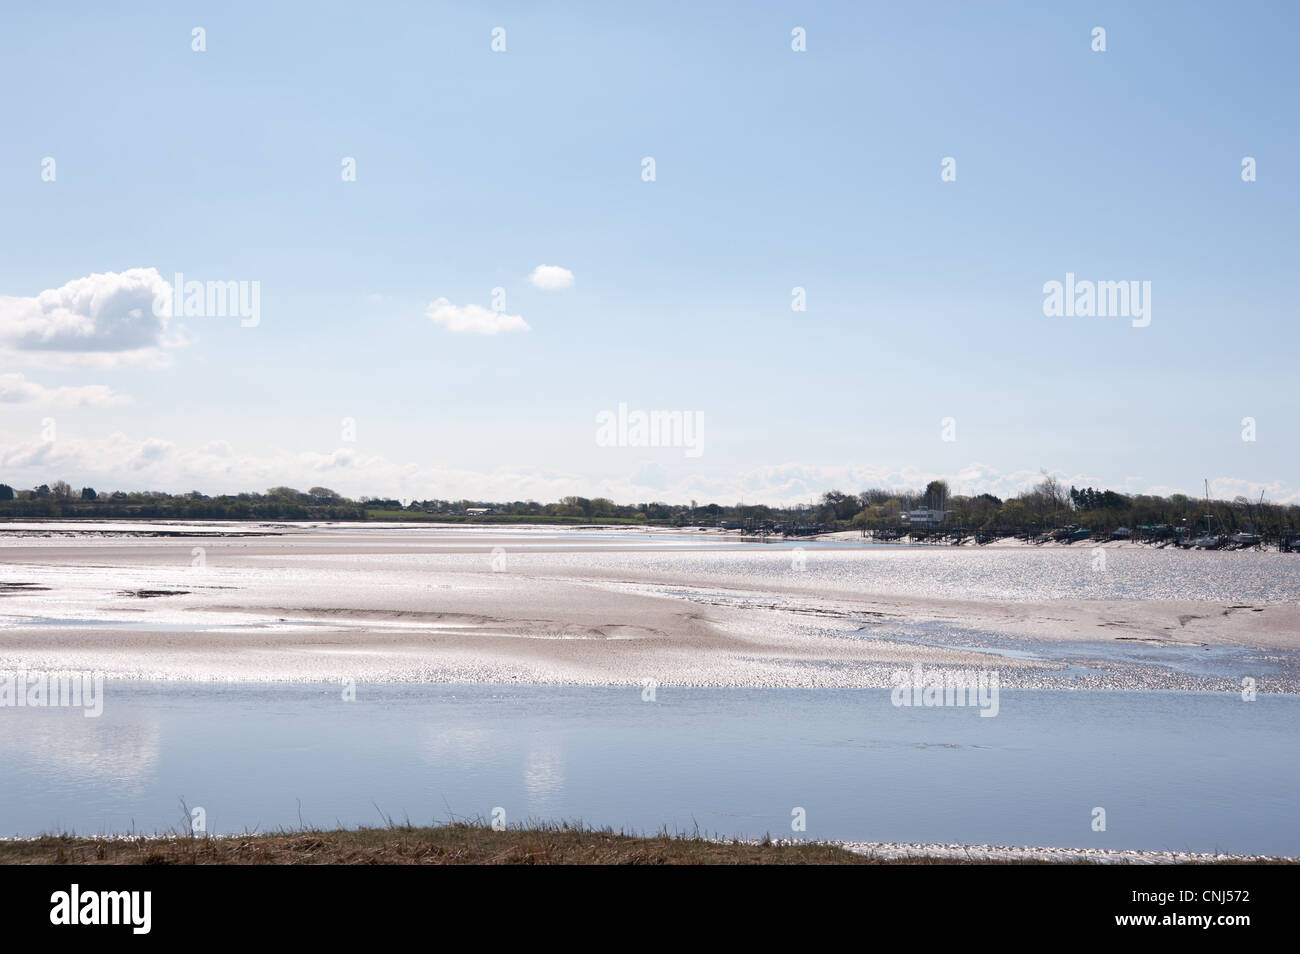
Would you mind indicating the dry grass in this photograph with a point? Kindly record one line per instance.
(460, 843)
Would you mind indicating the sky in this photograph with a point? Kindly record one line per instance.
(464, 261)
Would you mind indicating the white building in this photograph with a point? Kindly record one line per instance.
(924, 517)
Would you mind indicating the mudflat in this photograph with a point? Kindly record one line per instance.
(251, 602)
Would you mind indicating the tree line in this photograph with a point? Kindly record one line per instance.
(59, 500)
(1045, 506)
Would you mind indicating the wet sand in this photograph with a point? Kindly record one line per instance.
(623, 607)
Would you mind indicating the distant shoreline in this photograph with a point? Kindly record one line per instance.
(209, 527)
(1047, 512)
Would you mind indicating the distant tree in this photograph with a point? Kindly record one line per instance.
(839, 506)
(936, 494)
(88, 493)
(6, 492)
(41, 492)
(575, 507)
(1049, 488)
(61, 490)
(1047, 498)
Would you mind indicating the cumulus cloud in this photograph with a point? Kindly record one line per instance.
(151, 452)
(16, 389)
(473, 319)
(551, 277)
(104, 320)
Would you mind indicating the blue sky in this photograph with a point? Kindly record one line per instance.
(774, 169)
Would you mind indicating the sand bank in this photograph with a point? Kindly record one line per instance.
(588, 607)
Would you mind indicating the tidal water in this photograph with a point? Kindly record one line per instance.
(1184, 771)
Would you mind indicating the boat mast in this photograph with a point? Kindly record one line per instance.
(1208, 527)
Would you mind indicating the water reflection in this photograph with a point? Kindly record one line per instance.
(544, 774)
(1167, 766)
(61, 749)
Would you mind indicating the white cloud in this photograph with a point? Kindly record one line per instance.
(16, 389)
(551, 277)
(104, 320)
(473, 319)
(151, 452)
(118, 462)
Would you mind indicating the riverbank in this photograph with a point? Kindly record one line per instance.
(96, 527)
(473, 844)
(456, 844)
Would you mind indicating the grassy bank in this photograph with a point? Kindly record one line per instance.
(467, 844)
(454, 844)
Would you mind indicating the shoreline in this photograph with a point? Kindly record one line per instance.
(108, 527)
(563, 844)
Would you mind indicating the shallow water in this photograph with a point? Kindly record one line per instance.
(1024, 574)
(1018, 575)
(1173, 770)
(1206, 667)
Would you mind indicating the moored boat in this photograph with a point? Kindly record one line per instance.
(1208, 541)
